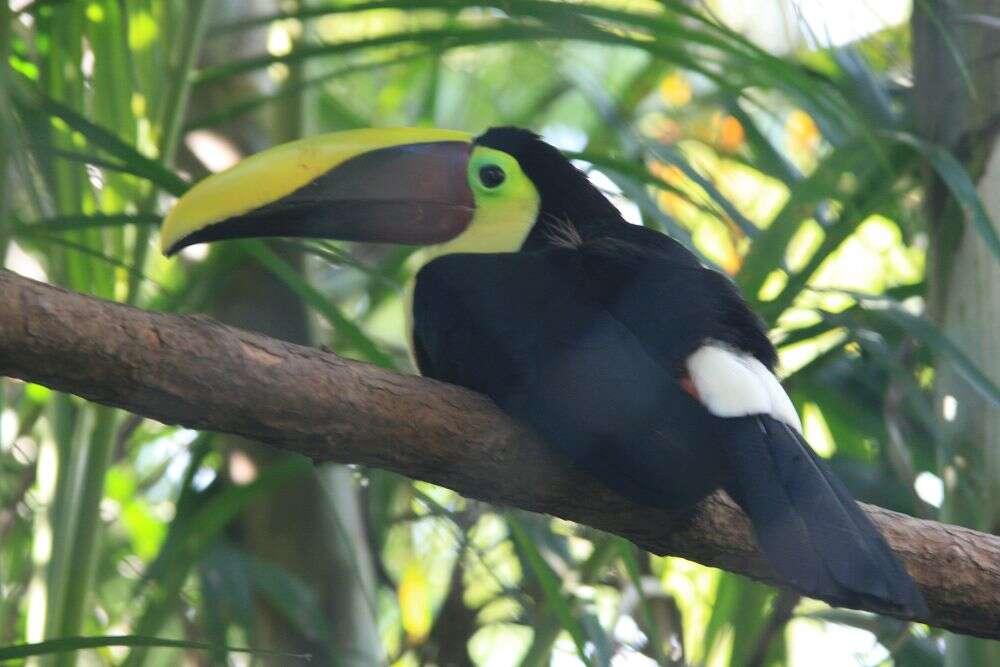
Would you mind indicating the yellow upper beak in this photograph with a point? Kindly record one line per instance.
(399, 185)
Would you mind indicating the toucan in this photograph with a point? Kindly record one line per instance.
(640, 365)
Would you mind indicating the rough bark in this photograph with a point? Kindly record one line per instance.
(199, 373)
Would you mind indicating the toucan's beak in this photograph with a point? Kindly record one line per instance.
(398, 185)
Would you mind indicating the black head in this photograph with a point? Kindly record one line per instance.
(567, 195)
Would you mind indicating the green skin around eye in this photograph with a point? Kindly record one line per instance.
(504, 213)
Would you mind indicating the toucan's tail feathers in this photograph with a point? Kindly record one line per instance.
(808, 525)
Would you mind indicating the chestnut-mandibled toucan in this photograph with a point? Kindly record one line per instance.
(640, 365)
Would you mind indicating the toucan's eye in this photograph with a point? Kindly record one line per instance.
(491, 175)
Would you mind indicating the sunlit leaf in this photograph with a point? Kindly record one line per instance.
(675, 89)
(414, 603)
(104, 139)
(323, 306)
(957, 179)
(555, 599)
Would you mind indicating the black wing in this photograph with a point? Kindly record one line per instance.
(587, 345)
(673, 306)
(523, 329)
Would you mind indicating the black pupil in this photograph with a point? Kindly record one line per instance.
(491, 175)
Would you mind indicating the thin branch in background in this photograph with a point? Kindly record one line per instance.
(8, 514)
(781, 613)
(126, 430)
(979, 19)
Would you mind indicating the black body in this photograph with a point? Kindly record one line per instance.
(584, 333)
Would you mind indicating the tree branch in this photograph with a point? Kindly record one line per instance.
(199, 373)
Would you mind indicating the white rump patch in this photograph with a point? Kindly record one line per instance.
(734, 384)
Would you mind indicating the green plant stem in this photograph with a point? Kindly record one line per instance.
(7, 138)
(84, 437)
(548, 626)
(91, 458)
(175, 102)
(69, 644)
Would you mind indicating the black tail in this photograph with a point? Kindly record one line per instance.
(807, 524)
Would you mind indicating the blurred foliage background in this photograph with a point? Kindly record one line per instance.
(829, 156)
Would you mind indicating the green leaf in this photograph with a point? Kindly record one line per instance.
(352, 332)
(738, 63)
(44, 235)
(768, 249)
(95, 160)
(189, 538)
(957, 179)
(197, 527)
(550, 584)
(236, 109)
(69, 223)
(830, 322)
(67, 644)
(874, 192)
(626, 551)
(100, 137)
(740, 606)
(675, 158)
(887, 311)
(637, 172)
(440, 38)
(663, 30)
(905, 647)
(927, 333)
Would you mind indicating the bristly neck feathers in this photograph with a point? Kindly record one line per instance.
(569, 201)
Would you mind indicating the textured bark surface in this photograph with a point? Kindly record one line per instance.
(199, 373)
